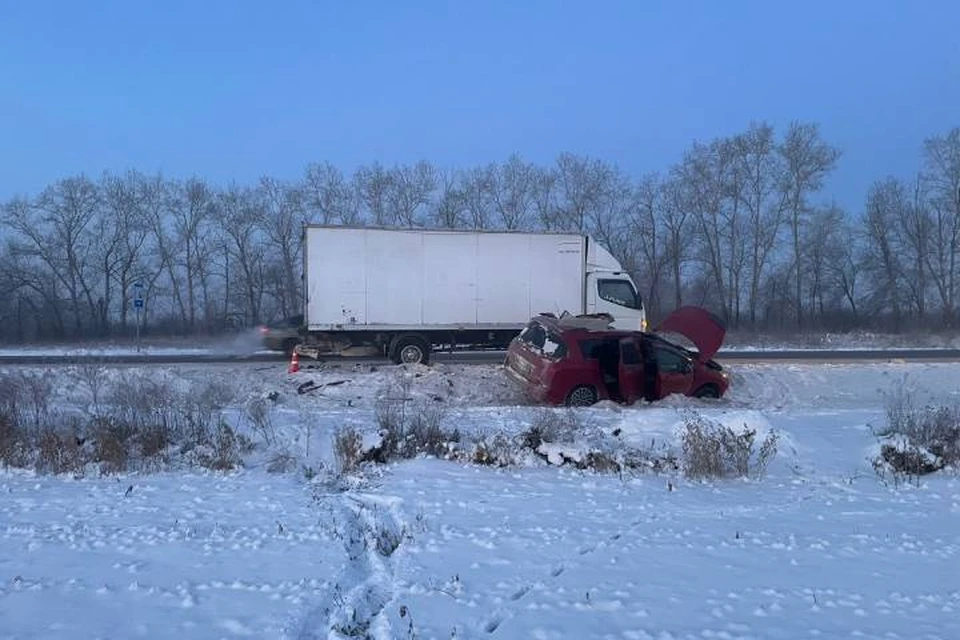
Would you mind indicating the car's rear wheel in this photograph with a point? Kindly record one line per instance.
(582, 396)
(707, 391)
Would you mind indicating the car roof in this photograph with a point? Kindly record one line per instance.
(576, 332)
(582, 326)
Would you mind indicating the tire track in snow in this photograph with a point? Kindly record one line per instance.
(373, 532)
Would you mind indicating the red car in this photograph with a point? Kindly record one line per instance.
(578, 360)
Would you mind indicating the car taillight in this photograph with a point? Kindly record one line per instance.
(264, 330)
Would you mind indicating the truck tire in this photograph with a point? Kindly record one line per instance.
(410, 349)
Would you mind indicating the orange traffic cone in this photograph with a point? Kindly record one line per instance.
(294, 363)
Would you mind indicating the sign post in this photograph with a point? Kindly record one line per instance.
(138, 305)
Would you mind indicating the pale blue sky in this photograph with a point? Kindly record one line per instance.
(234, 90)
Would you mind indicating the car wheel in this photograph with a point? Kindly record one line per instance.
(582, 396)
(707, 391)
(411, 350)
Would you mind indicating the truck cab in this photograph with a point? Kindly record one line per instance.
(616, 295)
(611, 291)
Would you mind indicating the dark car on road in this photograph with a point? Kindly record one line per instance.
(579, 360)
(282, 335)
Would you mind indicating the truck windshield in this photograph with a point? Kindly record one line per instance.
(619, 292)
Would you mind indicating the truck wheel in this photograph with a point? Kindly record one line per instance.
(411, 350)
(582, 396)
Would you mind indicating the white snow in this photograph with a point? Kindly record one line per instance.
(818, 548)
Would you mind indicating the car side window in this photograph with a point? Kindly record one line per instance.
(534, 335)
(670, 361)
(546, 342)
(629, 354)
(589, 348)
(554, 346)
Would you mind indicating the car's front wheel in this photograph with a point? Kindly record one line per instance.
(582, 396)
(707, 391)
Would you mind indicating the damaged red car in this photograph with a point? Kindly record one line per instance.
(580, 360)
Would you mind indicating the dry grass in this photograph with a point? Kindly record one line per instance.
(348, 450)
(550, 425)
(14, 448)
(934, 428)
(132, 425)
(112, 445)
(711, 450)
(59, 453)
(916, 440)
(410, 427)
(497, 451)
(224, 450)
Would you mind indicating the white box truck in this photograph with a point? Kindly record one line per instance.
(406, 292)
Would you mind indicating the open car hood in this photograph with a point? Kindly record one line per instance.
(703, 328)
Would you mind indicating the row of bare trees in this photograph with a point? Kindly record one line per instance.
(739, 224)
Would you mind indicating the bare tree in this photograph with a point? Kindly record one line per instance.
(57, 229)
(512, 192)
(154, 196)
(735, 224)
(29, 272)
(914, 231)
(761, 168)
(409, 192)
(883, 211)
(281, 216)
(190, 204)
(374, 184)
(807, 162)
(942, 180)
(647, 229)
(448, 208)
(821, 240)
(544, 193)
(581, 183)
(125, 229)
(674, 217)
(704, 176)
(328, 197)
(239, 217)
(844, 263)
(476, 188)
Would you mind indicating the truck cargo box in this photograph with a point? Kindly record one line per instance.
(389, 279)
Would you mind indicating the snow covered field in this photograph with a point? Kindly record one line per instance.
(818, 548)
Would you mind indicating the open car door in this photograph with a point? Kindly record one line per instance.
(674, 371)
(704, 329)
(632, 374)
